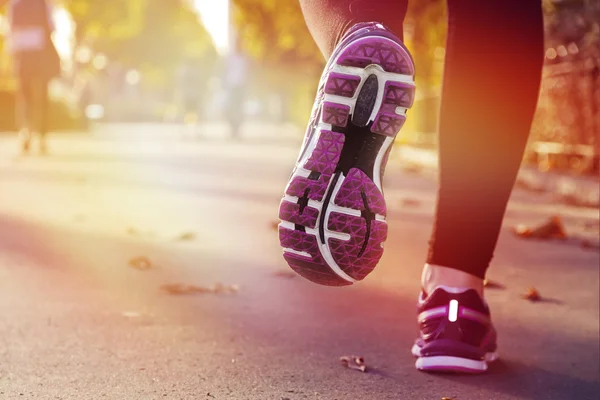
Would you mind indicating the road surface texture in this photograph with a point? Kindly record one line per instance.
(78, 322)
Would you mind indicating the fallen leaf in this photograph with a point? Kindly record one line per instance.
(142, 263)
(174, 288)
(408, 202)
(131, 314)
(354, 362)
(532, 295)
(234, 288)
(217, 288)
(588, 244)
(186, 236)
(181, 288)
(220, 288)
(551, 229)
(412, 168)
(591, 226)
(285, 274)
(489, 284)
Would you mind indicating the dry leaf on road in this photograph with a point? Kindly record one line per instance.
(285, 274)
(551, 229)
(591, 226)
(142, 263)
(532, 295)
(131, 314)
(409, 202)
(354, 362)
(186, 236)
(182, 288)
(588, 244)
(489, 284)
(227, 289)
(412, 168)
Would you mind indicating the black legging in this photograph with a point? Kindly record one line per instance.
(492, 74)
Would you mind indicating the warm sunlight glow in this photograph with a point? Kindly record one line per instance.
(215, 17)
(63, 34)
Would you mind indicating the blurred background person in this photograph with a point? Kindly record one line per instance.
(191, 89)
(235, 81)
(36, 62)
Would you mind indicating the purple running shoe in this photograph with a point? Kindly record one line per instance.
(456, 332)
(333, 212)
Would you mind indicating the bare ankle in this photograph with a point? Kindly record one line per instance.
(436, 275)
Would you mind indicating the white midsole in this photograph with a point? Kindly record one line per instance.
(450, 363)
(489, 357)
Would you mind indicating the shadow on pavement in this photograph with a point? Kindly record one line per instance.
(516, 378)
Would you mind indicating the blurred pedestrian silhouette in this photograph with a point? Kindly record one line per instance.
(236, 75)
(36, 62)
(191, 91)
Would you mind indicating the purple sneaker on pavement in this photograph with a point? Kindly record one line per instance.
(456, 332)
(333, 212)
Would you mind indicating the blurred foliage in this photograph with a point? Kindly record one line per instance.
(569, 107)
(274, 33)
(426, 26)
(114, 20)
(425, 36)
(152, 35)
(573, 21)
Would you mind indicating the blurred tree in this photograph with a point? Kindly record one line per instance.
(170, 34)
(426, 25)
(153, 35)
(569, 108)
(112, 20)
(573, 21)
(274, 33)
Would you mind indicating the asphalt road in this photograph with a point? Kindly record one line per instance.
(78, 322)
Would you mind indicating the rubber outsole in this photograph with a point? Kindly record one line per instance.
(333, 211)
(452, 364)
